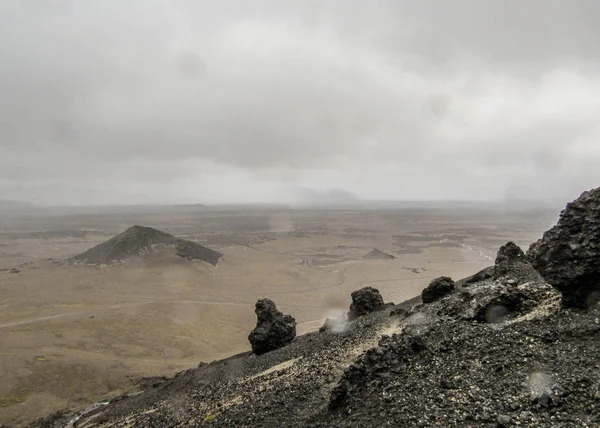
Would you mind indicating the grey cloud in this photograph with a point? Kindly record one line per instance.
(385, 99)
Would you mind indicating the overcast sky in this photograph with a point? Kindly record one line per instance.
(149, 101)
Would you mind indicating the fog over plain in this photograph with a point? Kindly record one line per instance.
(149, 101)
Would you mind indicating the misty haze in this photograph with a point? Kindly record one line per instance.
(300, 213)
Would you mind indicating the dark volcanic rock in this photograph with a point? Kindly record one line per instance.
(494, 301)
(372, 361)
(471, 374)
(482, 275)
(509, 256)
(273, 329)
(508, 303)
(437, 289)
(377, 254)
(543, 393)
(365, 301)
(568, 255)
(503, 420)
(138, 241)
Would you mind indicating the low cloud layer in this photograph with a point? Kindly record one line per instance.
(200, 101)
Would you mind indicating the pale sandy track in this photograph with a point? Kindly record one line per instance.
(95, 311)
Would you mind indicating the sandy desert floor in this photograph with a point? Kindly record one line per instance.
(70, 335)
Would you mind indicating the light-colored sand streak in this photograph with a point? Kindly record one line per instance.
(95, 311)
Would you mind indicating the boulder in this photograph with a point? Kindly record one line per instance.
(437, 289)
(568, 255)
(273, 329)
(503, 420)
(509, 256)
(365, 301)
(550, 397)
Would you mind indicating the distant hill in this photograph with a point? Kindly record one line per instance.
(377, 254)
(189, 206)
(7, 205)
(138, 241)
(325, 198)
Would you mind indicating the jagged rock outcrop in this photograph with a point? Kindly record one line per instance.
(140, 241)
(365, 301)
(568, 255)
(377, 254)
(509, 257)
(493, 301)
(437, 288)
(273, 329)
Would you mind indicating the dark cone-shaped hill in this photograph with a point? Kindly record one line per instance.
(377, 254)
(138, 241)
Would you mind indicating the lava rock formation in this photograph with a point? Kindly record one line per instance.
(568, 255)
(273, 329)
(437, 289)
(365, 301)
(509, 256)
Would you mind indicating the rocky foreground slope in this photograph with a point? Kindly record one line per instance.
(505, 347)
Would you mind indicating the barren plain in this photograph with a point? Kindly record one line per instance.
(73, 334)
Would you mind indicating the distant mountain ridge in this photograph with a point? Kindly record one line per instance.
(329, 197)
(138, 241)
(10, 205)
